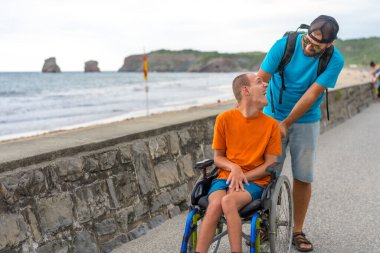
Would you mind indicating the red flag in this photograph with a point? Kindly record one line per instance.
(145, 67)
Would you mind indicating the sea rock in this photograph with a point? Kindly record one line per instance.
(50, 66)
(91, 66)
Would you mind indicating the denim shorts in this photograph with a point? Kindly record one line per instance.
(220, 184)
(302, 139)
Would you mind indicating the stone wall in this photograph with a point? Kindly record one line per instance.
(345, 103)
(95, 201)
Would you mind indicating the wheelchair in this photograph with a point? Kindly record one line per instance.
(272, 214)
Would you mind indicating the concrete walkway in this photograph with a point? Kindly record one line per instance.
(344, 214)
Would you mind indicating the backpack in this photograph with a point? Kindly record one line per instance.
(287, 56)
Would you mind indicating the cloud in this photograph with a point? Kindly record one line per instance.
(75, 31)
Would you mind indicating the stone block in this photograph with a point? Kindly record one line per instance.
(114, 243)
(143, 167)
(185, 164)
(208, 152)
(173, 211)
(23, 184)
(54, 246)
(158, 146)
(125, 153)
(106, 227)
(179, 194)
(84, 242)
(156, 221)
(107, 160)
(174, 143)
(6, 195)
(91, 164)
(126, 189)
(112, 191)
(13, 230)
(160, 200)
(124, 217)
(184, 137)
(210, 128)
(55, 212)
(70, 169)
(91, 201)
(140, 209)
(33, 225)
(137, 232)
(166, 173)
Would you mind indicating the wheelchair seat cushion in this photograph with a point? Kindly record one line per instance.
(246, 212)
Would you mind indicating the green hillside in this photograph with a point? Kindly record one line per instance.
(360, 51)
(355, 51)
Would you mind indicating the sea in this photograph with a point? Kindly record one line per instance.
(33, 103)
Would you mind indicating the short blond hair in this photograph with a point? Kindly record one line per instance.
(238, 83)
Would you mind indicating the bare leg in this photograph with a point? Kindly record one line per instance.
(231, 203)
(301, 196)
(210, 221)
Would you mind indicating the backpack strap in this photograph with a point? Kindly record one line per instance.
(286, 57)
(322, 65)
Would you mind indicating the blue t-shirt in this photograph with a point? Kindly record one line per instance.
(299, 74)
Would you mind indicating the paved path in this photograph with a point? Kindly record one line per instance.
(344, 214)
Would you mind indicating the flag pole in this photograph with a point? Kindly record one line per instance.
(145, 67)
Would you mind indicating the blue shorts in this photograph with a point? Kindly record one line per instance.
(220, 184)
(302, 140)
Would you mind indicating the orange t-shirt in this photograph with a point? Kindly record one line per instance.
(246, 140)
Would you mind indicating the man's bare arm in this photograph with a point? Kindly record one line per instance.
(264, 75)
(259, 172)
(302, 106)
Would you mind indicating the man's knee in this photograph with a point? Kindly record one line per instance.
(214, 209)
(228, 204)
(301, 183)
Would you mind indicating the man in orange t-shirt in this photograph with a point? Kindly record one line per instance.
(246, 142)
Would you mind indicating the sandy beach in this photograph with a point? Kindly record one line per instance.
(353, 76)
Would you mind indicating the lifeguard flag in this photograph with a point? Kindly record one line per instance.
(145, 67)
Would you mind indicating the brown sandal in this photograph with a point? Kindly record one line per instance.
(300, 238)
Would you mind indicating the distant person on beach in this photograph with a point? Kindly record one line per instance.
(246, 142)
(375, 78)
(298, 113)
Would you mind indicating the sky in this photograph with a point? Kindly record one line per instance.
(75, 31)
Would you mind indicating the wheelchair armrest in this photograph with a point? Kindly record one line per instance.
(203, 164)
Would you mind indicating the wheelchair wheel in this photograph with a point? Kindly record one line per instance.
(281, 217)
(194, 232)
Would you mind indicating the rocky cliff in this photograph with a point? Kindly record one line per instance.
(50, 66)
(91, 66)
(194, 61)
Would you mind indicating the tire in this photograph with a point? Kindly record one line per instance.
(194, 231)
(192, 244)
(281, 217)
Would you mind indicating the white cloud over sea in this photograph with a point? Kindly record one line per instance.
(75, 31)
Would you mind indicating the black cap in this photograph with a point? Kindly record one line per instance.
(327, 26)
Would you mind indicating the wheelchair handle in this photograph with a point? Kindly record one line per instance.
(274, 169)
(202, 165)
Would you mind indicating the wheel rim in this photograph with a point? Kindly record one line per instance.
(281, 217)
(283, 220)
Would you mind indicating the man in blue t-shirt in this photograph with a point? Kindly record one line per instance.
(375, 78)
(299, 112)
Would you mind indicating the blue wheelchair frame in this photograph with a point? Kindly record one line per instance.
(254, 212)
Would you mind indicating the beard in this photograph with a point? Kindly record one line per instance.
(312, 54)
